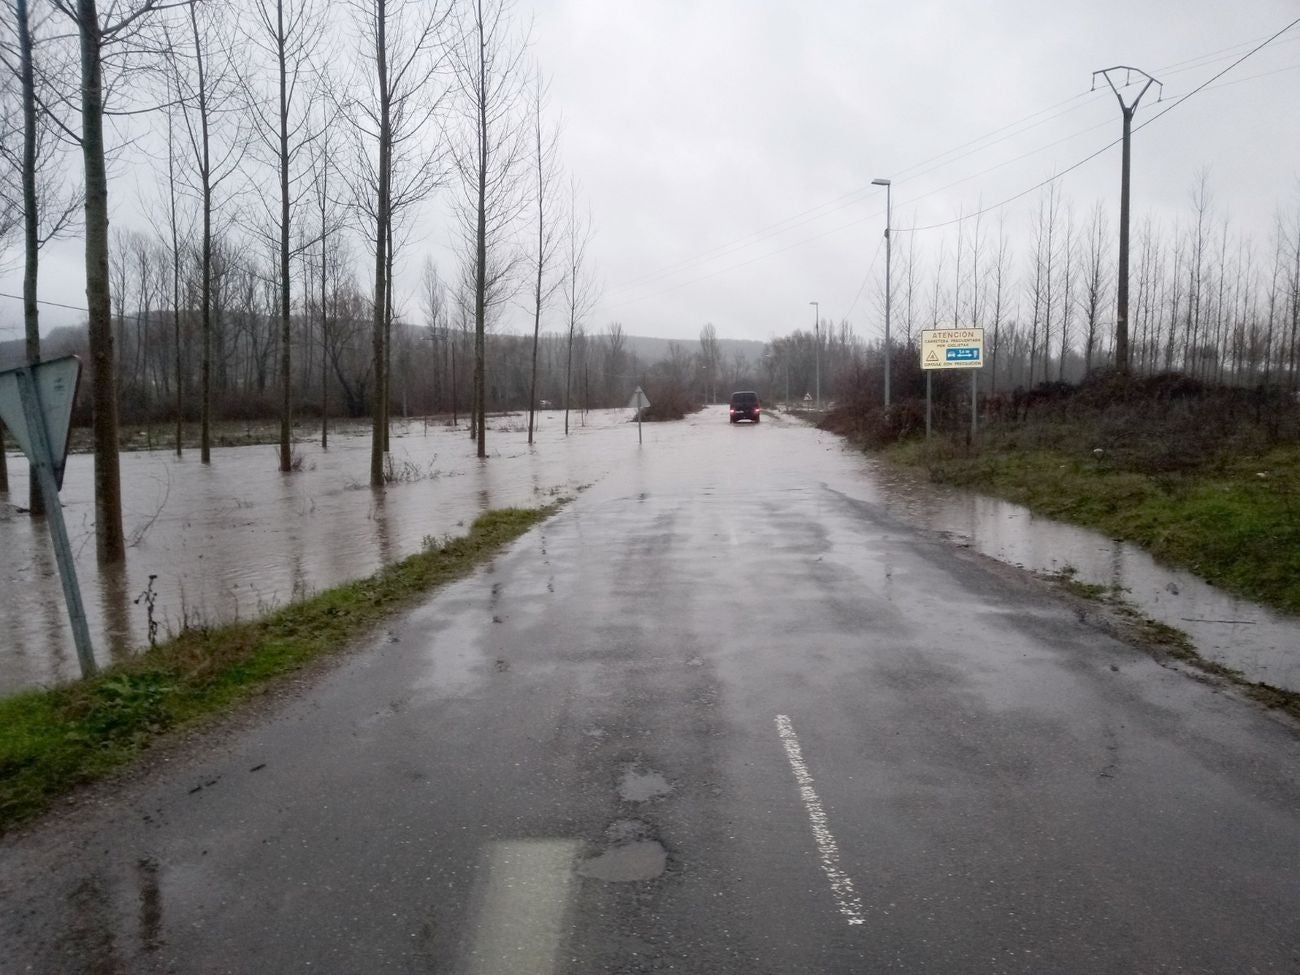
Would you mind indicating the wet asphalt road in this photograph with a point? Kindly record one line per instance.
(722, 714)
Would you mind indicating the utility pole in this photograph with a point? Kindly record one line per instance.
(817, 350)
(1121, 283)
(888, 280)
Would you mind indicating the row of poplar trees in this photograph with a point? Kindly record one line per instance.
(360, 109)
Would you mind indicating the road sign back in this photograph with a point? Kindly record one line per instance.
(56, 383)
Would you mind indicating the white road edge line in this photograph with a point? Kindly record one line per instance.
(841, 886)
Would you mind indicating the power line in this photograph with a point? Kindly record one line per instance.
(42, 301)
(1111, 145)
(939, 160)
(865, 278)
(804, 217)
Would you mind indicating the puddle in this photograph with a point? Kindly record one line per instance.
(642, 786)
(630, 862)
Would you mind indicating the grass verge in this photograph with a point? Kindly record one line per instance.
(1165, 641)
(1237, 524)
(57, 739)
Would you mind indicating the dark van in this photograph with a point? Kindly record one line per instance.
(744, 406)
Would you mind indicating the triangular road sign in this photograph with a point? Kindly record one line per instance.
(55, 383)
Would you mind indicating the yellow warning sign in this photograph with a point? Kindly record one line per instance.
(952, 348)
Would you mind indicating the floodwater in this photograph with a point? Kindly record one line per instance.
(238, 538)
(1262, 644)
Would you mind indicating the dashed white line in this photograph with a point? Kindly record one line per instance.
(846, 898)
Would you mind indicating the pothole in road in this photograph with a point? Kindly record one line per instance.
(633, 854)
(642, 785)
(638, 860)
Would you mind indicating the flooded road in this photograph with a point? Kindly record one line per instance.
(237, 538)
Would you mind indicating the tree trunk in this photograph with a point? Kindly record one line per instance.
(388, 333)
(324, 340)
(480, 276)
(381, 243)
(110, 543)
(205, 286)
(31, 220)
(286, 398)
(176, 286)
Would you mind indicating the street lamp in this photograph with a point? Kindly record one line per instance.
(888, 277)
(817, 351)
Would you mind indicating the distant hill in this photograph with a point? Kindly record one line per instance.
(656, 350)
(65, 340)
(72, 339)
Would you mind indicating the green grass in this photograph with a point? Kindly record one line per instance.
(57, 739)
(1235, 524)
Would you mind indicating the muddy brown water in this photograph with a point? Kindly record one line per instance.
(236, 538)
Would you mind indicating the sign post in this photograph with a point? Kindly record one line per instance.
(638, 402)
(952, 348)
(36, 406)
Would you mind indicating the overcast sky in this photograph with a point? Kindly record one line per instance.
(726, 147)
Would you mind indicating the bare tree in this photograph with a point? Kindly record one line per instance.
(488, 62)
(1293, 300)
(615, 357)
(404, 39)
(287, 35)
(328, 226)
(208, 91)
(999, 272)
(710, 360)
(1096, 284)
(10, 214)
(95, 35)
(1202, 210)
(47, 206)
(173, 222)
(910, 291)
(1068, 282)
(579, 285)
(545, 173)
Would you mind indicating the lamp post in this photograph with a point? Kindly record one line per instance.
(817, 349)
(888, 281)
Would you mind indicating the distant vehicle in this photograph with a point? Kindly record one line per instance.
(744, 406)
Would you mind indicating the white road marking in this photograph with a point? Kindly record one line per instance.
(841, 886)
(525, 889)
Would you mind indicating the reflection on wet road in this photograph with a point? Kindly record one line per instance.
(728, 712)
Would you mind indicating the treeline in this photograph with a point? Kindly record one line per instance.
(1207, 298)
(430, 362)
